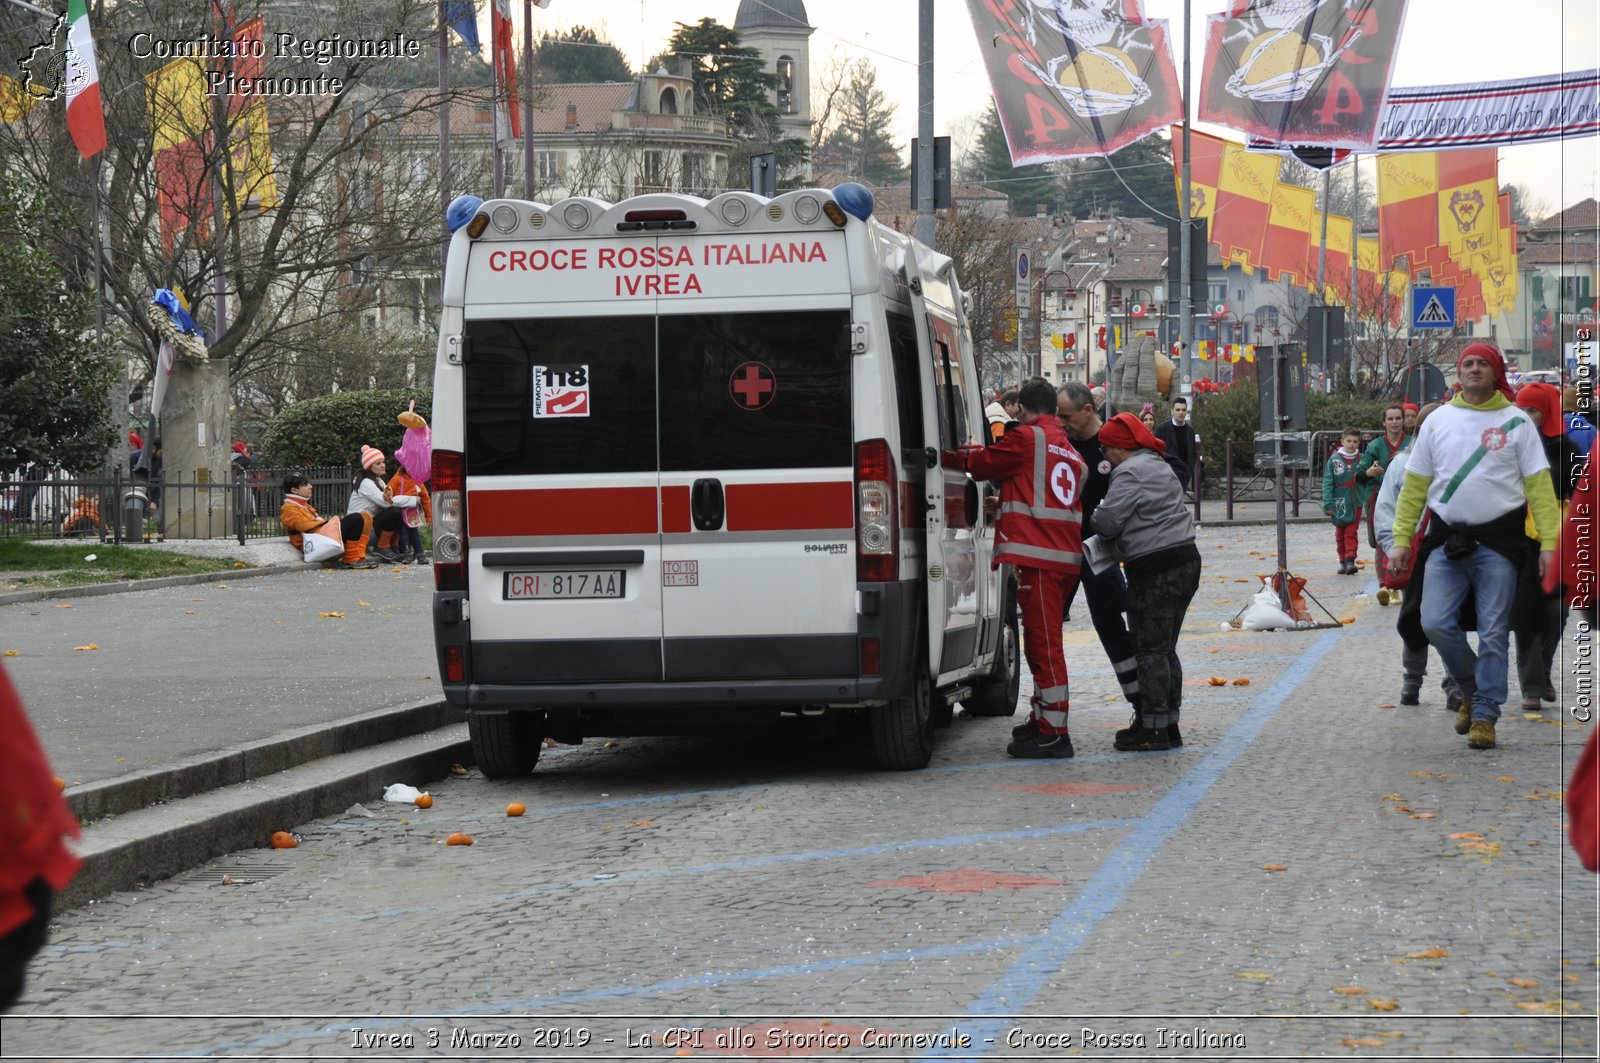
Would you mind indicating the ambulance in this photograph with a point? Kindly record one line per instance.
(695, 467)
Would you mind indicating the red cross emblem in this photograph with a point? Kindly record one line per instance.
(752, 386)
(1493, 439)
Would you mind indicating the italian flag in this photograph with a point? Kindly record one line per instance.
(86, 119)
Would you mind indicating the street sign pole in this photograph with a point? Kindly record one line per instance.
(1021, 296)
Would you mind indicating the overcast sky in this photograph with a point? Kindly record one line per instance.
(1444, 42)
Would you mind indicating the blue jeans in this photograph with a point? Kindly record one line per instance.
(1492, 580)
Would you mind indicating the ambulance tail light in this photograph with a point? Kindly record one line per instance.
(877, 531)
(871, 656)
(449, 521)
(455, 665)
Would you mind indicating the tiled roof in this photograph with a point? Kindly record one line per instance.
(1558, 253)
(472, 110)
(595, 104)
(1580, 216)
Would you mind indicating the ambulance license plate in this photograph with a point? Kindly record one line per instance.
(564, 584)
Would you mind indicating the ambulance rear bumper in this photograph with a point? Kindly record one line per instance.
(549, 674)
(763, 692)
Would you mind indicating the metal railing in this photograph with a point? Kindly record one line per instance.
(1244, 482)
(128, 508)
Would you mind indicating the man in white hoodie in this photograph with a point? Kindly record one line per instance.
(1479, 466)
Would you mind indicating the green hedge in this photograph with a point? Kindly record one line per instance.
(331, 429)
(1233, 415)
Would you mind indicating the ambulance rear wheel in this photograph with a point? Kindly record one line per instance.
(902, 730)
(505, 745)
(996, 694)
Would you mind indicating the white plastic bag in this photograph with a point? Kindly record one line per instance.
(324, 544)
(1264, 613)
(401, 794)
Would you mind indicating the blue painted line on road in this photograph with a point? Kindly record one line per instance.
(626, 877)
(1043, 954)
(1042, 959)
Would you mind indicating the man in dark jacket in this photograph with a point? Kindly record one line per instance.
(1182, 443)
(1106, 592)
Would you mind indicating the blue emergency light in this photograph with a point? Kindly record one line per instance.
(855, 199)
(461, 210)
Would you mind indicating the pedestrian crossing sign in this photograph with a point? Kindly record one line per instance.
(1433, 308)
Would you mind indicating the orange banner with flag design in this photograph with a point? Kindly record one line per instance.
(1244, 204)
(1408, 222)
(1468, 208)
(1341, 245)
(1205, 169)
(1286, 251)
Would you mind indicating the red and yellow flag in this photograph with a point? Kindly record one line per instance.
(1408, 223)
(1379, 292)
(1205, 169)
(1341, 245)
(1244, 204)
(1286, 251)
(181, 132)
(1232, 188)
(1468, 210)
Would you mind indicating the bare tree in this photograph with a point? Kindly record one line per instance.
(827, 89)
(984, 249)
(356, 181)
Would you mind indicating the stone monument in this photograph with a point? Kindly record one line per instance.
(196, 440)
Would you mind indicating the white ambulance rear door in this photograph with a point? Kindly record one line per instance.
(954, 582)
(561, 453)
(757, 457)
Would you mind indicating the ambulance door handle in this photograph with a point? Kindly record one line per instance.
(706, 502)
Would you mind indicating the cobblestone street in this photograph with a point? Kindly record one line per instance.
(1318, 872)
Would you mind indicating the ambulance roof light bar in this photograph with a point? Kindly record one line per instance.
(637, 220)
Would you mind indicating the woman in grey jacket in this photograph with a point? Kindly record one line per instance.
(1149, 531)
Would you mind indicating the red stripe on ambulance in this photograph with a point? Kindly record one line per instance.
(675, 509)
(790, 507)
(563, 511)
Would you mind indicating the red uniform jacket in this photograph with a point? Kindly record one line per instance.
(34, 820)
(1041, 479)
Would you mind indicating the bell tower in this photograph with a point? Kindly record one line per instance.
(779, 31)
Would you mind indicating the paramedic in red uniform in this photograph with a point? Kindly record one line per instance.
(1040, 533)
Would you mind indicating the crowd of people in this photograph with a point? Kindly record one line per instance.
(382, 519)
(1463, 503)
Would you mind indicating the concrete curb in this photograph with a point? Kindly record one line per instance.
(229, 767)
(166, 840)
(92, 590)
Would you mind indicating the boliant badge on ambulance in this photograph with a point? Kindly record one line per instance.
(560, 391)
